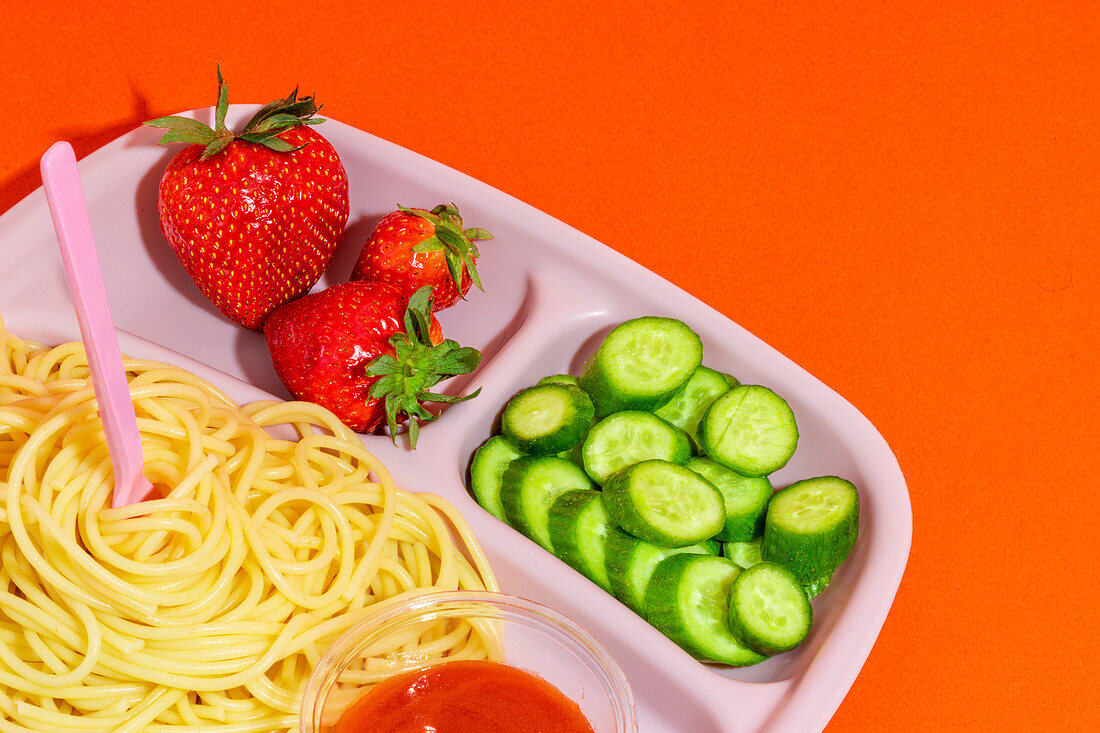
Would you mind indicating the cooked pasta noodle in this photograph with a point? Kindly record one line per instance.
(207, 605)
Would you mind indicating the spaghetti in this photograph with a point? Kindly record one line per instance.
(207, 605)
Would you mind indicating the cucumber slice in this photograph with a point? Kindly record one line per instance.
(578, 526)
(640, 364)
(529, 487)
(688, 601)
(690, 403)
(559, 379)
(769, 611)
(664, 503)
(547, 418)
(811, 527)
(743, 554)
(745, 497)
(631, 562)
(712, 546)
(487, 471)
(627, 437)
(750, 429)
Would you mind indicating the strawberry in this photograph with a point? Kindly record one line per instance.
(412, 248)
(366, 352)
(254, 218)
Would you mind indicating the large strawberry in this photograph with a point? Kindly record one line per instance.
(367, 353)
(253, 217)
(411, 248)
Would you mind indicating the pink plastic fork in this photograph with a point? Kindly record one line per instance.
(69, 212)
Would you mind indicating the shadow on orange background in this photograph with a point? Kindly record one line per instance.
(84, 139)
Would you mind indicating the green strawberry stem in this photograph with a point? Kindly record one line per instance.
(262, 129)
(415, 366)
(456, 243)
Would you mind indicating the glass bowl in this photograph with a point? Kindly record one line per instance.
(428, 629)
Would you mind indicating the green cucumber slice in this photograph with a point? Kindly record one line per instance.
(631, 562)
(690, 403)
(769, 611)
(664, 503)
(688, 601)
(811, 527)
(560, 379)
(745, 498)
(640, 364)
(578, 526)
(487, 472)
(529, 487)
(743, 554)
(627, 437)
(750, 429)
(547, 418)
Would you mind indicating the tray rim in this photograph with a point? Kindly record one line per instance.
(788, 694)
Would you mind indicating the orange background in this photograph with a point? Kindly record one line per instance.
(904, 198)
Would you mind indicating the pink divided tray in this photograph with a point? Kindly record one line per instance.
(552, 293)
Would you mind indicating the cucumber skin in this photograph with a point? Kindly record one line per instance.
(710, 423)
(487, 469)
(813, 558)
(566, 514)
(742, 627)
(560, 440)
(663, 611)
(686, 413)
(712, 546)
(559, 379)
(512, 494)
(619, 546)
(616, 496)
(607, 399)
(740, 527)
(622, 550)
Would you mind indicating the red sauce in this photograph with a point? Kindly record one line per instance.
(464, 696)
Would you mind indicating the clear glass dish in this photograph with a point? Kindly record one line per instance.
(518, 632)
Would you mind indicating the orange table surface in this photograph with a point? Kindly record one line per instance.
(903, 198)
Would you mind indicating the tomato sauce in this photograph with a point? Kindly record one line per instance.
(464, 696)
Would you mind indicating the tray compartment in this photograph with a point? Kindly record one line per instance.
(552, 293)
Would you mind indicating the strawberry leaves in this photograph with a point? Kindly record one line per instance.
(263, 129)
(456, 243)
(406, 377)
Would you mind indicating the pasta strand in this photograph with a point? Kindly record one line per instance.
(206, 606)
